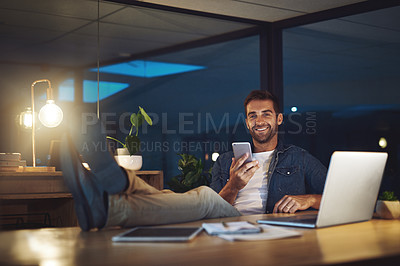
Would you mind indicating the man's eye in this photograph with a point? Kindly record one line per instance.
(252, 116)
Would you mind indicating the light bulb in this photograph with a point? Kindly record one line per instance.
(382, 142)
(25, 119)
(50, 115)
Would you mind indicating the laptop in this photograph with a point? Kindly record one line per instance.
(350, 192)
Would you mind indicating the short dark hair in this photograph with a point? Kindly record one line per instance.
(262, 95)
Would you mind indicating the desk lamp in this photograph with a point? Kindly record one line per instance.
(50, 115)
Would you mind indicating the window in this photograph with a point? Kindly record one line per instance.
(342, 75)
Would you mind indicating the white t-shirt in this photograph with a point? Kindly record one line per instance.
(253, 197)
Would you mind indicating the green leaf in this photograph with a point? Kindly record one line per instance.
(136, 120)
(132, 144)
(191, 176)
(146, 116)
(388, 195)
(176, 185)
(193, 180)
(108, 137)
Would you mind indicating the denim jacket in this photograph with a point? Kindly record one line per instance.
(293, 171)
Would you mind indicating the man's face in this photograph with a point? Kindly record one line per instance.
(262, 121)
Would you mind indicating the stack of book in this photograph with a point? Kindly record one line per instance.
(11, 162)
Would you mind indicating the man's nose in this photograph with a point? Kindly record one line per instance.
(260, 120)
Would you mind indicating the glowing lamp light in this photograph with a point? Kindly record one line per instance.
(25, 118)
(382, 143)
(50, 115)
(294, 109)
(86, 165)
(214, 156)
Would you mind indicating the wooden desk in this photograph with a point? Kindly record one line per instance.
(37, 196)
(376, 242)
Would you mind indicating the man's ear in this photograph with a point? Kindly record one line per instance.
(247, 124)
(280, 119)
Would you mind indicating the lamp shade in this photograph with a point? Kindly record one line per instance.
(50, 115)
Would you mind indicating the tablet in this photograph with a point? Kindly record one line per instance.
(150, 234)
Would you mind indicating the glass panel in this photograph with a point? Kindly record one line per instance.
(58, 40)
(198, 112)
(342, 76)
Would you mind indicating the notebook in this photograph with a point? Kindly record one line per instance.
(350, 192)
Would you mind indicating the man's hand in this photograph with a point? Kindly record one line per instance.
(291, 204)
(240, 174)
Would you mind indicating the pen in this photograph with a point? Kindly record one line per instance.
(257, 225)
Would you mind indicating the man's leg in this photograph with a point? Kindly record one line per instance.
(90, 190)
(90, 197)
(138, 185)
(142, 204)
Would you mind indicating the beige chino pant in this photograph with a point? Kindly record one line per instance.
(142, 204)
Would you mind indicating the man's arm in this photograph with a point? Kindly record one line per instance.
(315, 175)
(239, 175)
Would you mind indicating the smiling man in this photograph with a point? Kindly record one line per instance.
(281, 178)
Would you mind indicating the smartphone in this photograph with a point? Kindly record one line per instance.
(240, 149)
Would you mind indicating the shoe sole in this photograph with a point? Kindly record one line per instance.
(69, 162)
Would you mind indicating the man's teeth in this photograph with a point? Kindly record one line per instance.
(261, 129)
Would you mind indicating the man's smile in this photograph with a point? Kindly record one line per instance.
(261, 129)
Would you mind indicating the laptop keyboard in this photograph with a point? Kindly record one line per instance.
(306, 219)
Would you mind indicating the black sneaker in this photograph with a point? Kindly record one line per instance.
(90, 199)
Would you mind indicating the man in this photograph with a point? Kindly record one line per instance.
(106, 195)
(281, 178)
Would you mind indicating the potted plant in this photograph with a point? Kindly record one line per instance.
(388, 206)
(128, 156)
(192, 174)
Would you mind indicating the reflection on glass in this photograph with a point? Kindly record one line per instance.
(106, 90)
(148, 69)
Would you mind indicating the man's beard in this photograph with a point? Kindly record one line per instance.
(265, 138)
